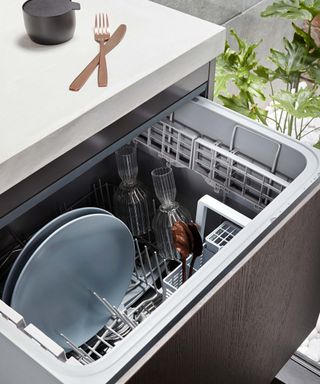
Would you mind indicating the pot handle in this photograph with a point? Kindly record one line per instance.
(75, 6)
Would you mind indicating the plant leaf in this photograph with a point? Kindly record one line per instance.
(263, 72)
(314, 73)
(261, 115)
(222, 79)
(241, 103)
(294, 60)
(302, 104)
(308, 40)
(238, 67)
(236, 103)
(289, 9)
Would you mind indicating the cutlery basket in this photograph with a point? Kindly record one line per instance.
(215, 241)
(174, 280)
(220, 237)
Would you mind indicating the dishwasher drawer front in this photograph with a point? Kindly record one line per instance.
(246, 328)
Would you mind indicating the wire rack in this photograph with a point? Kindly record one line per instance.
(174, 143)
(225, 169)
(144, 294)
(153, 281)
(235, 173)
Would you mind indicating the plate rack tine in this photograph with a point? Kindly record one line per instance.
(141, 262)
(114, 332)
(150, 267)
(80, 352)
(112, 309)
(158, 268)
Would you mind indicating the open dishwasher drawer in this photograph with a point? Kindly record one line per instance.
(254, 296)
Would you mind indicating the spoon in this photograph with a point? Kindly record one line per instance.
(183, 242)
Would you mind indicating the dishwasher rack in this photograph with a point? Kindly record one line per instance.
(146, 280)
(154, 280)
(135, 307)
(223, 167)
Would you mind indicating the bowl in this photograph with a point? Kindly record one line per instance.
(50, 22)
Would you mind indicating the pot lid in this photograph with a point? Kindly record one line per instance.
(47, 8)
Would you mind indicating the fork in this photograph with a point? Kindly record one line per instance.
(101, 35)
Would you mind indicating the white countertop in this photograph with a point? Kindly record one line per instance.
(40, 119)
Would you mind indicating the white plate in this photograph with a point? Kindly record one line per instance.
(36, 240)
(54, 290)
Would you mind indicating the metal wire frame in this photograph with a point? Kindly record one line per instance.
(147, 278)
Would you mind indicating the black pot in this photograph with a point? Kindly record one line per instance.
(50, 21)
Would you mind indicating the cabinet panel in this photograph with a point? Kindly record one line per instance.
(249, 325)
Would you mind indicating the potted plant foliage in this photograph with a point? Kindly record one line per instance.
(294, 108)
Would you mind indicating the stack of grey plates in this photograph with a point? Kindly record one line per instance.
(51, 283)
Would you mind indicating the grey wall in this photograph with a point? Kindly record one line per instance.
(242, 15)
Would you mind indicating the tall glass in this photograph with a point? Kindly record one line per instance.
(168, 213)
(130, 201)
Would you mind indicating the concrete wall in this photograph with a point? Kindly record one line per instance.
(241, 15)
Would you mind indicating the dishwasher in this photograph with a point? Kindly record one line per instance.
(240, 181)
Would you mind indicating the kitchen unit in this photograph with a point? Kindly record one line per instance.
(244, 312)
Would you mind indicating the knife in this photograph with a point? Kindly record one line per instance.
(114, 40)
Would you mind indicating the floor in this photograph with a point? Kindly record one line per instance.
(311, 346)
(297, 371)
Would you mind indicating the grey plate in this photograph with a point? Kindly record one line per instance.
(36, 240)
(54, 290)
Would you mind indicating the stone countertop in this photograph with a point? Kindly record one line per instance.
(40, 119)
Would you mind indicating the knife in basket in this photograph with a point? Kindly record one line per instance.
(114, 40)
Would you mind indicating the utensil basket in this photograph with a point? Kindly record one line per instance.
(215, 241)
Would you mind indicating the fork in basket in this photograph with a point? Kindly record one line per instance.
(101, 35)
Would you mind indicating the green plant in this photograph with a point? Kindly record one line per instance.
(294, 108)
(239, 68)
(293, 9)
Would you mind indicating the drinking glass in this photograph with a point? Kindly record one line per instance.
(131, 201)
(168, 212)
